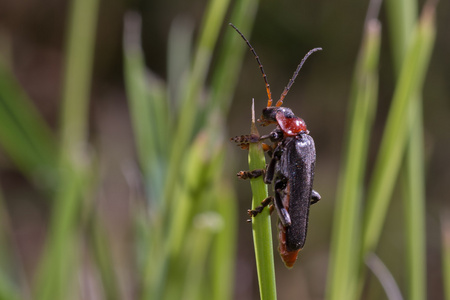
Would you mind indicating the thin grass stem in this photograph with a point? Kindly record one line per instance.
(343, 266)
(262, 232)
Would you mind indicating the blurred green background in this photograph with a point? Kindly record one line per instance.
(84, 202)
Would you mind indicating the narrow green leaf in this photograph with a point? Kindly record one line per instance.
(148, 109)
(54, 279)
(396, 131)
(226, 74)
(414, 205)
(24, 135)
(262, 231)
(343, 274)
(224, 245)
(10, 265)
(402, 16)
(101, 249)
(212, 22)
(60, 259)
(78, 74)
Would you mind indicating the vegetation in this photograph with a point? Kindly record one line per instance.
(184, 213)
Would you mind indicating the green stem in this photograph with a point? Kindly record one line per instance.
(396, 131)
(211, 25)
(55, 277)
(346, 233)
(262, 232)
(402, 16)
(78, 74)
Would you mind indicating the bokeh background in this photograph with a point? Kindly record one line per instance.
(33, 39)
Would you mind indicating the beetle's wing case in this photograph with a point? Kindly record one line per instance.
(294, 177)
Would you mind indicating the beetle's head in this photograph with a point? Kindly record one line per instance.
(269, 114)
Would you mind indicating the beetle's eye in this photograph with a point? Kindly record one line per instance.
(276, 135)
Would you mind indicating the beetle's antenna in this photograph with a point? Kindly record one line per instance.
(269, 94)
(288, 87)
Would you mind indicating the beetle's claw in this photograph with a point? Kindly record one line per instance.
(255, 212)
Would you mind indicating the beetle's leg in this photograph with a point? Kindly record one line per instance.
(256, 211)
(267, 148)
(275, 136)
(315, 197)
(251, 174)
(259, 209)
(283, 214)
(243, 141)
(247, 138)
(270, 171)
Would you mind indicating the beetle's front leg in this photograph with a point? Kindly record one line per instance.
(275, 136)
(270, 171)
(315, 197)
(244, 141)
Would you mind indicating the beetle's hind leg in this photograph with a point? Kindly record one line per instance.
(283, 214)
(315, 197)
(254, 212)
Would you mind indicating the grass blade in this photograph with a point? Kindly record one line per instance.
(414, 205)
(344, 249)
(148, 109)
(223, 251)
(262, 232)
(225, 78)
(396, 131)
(60, 258)
(59, 262)
(10, 263)
(101, 251)
(24, 135)
(402, 18)
(402, 15)
(189, 107)
(78, 74)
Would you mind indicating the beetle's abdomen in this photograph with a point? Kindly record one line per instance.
(288, 256)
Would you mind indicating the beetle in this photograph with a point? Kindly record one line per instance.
(290, 170)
